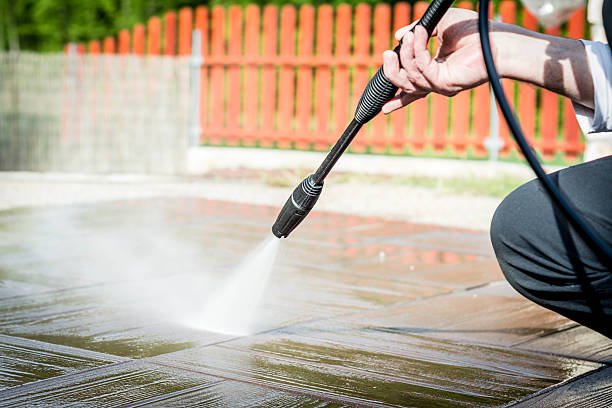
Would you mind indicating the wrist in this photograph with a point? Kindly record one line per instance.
(503, 54)
(542, 60)
(514, 53)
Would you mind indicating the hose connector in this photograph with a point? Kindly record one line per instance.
(297, 207)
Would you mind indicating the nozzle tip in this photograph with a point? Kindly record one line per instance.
(297, 207)
(278, 234)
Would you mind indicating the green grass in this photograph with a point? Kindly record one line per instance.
(495, 187)
(498, 186)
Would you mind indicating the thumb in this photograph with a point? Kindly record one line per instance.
(422, 57)
(401, 32)
(401, 100)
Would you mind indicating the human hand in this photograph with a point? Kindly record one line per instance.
(457, 65)
(555, 63)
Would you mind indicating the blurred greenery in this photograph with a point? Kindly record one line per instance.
(46, 25)
(496, 186)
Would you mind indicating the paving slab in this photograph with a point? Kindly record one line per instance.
(492, 315)
(110, 386)
(593, 389)
(236, 394)
(25, 360)
(370, 367)
(577, 341)
(96, 302)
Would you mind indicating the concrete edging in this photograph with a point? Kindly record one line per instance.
(203, 159)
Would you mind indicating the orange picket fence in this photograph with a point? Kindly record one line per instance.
(291, 77)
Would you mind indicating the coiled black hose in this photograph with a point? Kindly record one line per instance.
(598, 244)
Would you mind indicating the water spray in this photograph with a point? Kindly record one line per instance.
(378, 91)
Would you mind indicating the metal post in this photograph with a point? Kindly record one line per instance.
(493, 143)
(195, 65)
(69, 158)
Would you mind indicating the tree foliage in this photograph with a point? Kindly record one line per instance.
(46, 25)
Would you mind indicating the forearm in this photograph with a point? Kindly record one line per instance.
(557, 64)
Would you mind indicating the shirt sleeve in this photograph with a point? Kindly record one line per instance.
(599, 119)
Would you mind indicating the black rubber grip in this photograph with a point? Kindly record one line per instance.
(378, 92)
(434, 14)
(379, 89)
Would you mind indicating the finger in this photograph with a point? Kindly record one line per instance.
(394, 73)
(422, 56)
(401, 32)
(408, 63)
(431, 69)
(391, 67)
(392, 105)
(422, 59)
(401, 100)
(407, 50)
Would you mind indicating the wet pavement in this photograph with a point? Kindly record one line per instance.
(96, 300)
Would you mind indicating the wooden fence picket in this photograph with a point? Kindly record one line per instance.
(399, 118)
(217, 93)
(93, 47)
(361, 75)
(201, 24)
(170, 33)
(291, 78)
(184, 31)
(439, 116)
(342, 108)
(250, 88)
(108, 46)
(138, 38)
(303, 100)
(269, 83)
(322, 97)
(153, 36)
(419, 117)
(459, 138)
(124, 42)
(235, 92)
(378, 137)
(286, 89)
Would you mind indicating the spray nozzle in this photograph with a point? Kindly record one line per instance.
(379, 91)
(297, 207)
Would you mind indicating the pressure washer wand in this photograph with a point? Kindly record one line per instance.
(378, 91)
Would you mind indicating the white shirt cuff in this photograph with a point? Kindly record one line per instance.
(599, 119)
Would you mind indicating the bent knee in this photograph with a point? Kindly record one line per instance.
(512, 216)
(514, 225)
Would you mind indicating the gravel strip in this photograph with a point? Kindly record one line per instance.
(406, 203)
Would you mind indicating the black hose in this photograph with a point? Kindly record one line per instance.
(598, 244)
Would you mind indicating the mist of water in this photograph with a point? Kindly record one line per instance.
(147, 266)
(231, 309)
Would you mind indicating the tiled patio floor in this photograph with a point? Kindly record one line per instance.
(358, 312)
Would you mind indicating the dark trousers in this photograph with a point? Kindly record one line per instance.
(545, 259)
